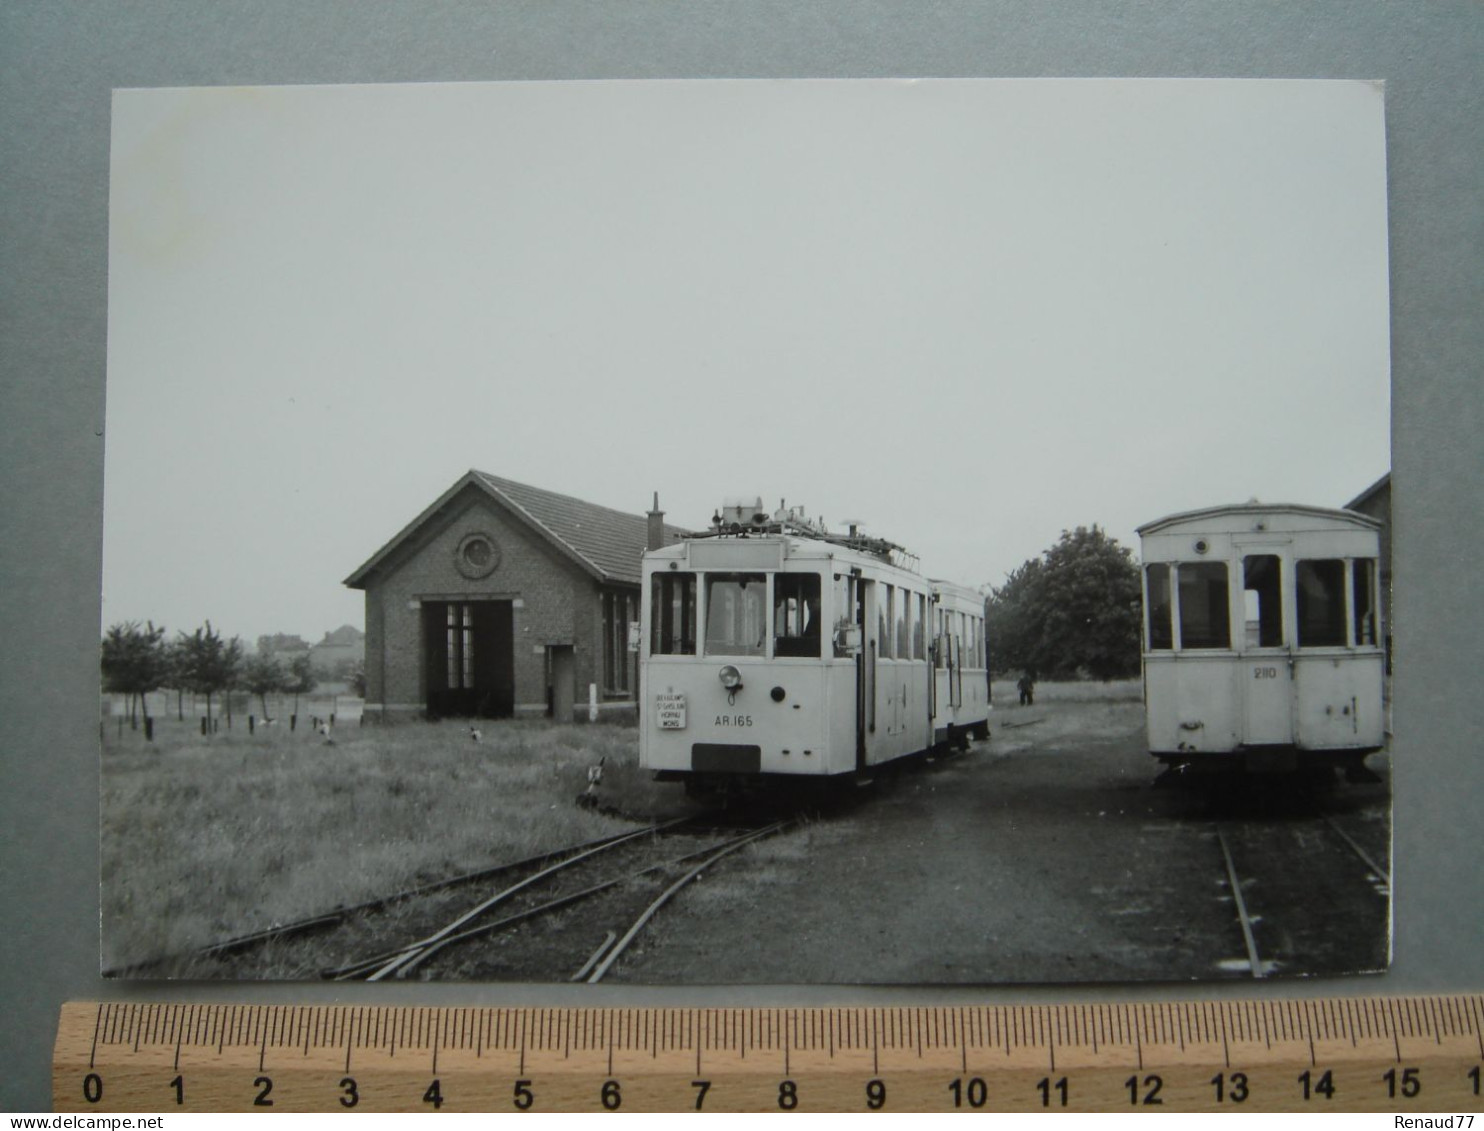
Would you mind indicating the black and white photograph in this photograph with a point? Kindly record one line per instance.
(724, 532)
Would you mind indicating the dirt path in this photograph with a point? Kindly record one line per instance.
(1045, 855)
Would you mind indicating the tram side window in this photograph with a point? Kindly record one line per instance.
(845, 612)
(1204, 618)
(736, 613)
(884, 617)
(904, 625)
(796, 613)
(1364, 601)
(1161, 630)
(1321, 603)
(919, 627)
(1262, 599)
(672, 614)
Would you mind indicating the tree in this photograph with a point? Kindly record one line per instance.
(262, 675)
(1074, 610)
(358, 679)
(208, 663)
(134, 662)
(301, 678)
(175, 675)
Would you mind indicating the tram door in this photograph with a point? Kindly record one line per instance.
(1266, 647)
(865, 672)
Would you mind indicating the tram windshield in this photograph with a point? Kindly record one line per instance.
(1321, 603)
(796, 613)
(1204, 618)
(736, 614)
(672, 614)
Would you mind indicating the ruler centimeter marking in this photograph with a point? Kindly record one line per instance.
(1357, 1054)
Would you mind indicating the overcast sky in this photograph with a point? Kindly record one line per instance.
(968, 313)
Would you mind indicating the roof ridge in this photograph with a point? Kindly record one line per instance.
(500, 480)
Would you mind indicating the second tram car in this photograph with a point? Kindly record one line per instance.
(1263, 647)
(773, 650)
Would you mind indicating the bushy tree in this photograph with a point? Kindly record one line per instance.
(301, 678)
(208, 663)
(1075, 609)
(263, 675)
(134, 662)
(358, 679)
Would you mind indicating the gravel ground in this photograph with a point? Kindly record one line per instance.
(1043, 855)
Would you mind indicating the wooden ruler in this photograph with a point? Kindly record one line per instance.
(1418, 1054)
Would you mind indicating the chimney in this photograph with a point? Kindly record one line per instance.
(656, 525)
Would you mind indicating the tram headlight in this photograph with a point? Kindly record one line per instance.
(730, 678)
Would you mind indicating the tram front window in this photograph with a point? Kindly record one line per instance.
(1321, 603)
(1262, 598)
(672, 614)
(796, 627)
(736, 614)
(1161, 633)
(1204, 619)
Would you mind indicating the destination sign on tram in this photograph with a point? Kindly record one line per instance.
(669, 710)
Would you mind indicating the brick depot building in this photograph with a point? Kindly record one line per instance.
(503, 599)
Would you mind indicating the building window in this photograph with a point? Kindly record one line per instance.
(672, 614)
(616, 666)
(1159, 606)
(736, 614)
(476, 555)
(796, 614)
(459, 623)
(1262, 600)
(1321, 603)
(1204, 619)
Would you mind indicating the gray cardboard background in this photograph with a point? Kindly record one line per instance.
(58, 64)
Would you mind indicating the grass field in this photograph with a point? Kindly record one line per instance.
(205, 839)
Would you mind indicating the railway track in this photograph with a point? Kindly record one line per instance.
(1295, 886)
(542, 927)
(222, 953)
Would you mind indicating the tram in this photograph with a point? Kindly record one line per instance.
(1263, 646)
(775, 650)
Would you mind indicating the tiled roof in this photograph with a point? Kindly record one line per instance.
(605, 542)
(611, 542)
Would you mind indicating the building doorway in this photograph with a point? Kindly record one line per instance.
(468, 659)
(562, 691)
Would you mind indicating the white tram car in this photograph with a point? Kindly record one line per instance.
(774, 651)
(1263, 647)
